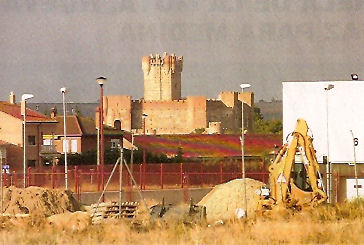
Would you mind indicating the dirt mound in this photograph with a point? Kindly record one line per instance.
(37, 200)
(70, 221)
(223, 201)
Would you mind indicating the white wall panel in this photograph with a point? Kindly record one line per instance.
(307, 100)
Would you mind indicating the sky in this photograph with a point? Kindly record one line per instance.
(49, 44)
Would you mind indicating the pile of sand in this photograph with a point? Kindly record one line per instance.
(70, 221)
(37, 200)
(223, 200)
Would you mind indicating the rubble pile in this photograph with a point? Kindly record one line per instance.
(38, 200)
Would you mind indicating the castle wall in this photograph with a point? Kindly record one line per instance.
(169, 117)
(164, 117)
(118, 107)
(229, 117)
(197, 108)
(247, 97)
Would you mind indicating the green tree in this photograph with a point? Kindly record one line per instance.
(262, 126)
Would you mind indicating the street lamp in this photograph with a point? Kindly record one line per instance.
(23, 109)
(243, 86)
(144, 116)
(101, 81)
(328, 165)
(354, 77)
(65, 142)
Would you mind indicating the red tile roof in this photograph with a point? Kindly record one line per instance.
(14, 110)
(203, 145)
(4, 142)
(88, 128)
(72, 126)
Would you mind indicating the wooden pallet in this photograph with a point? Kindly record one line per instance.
(110, 210)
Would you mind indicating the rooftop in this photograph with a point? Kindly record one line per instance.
(14, 110)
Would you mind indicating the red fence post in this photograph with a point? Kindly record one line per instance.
(75, 178)
(14, 178)
(201, 173)
(52, 177)
(263, 170)
(220, 172)
(79, 184)
(161, 175)
(181, 174)
(144, 173)
(97, 177)
(140, 176)
(28, 177)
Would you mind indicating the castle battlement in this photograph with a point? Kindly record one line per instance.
(168, 63)
(159, 102)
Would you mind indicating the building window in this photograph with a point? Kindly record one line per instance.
(31, 140)
(73, 146)
(117, 124)
(31, 163)
(115, 143)
(65, 146)
(47, 142)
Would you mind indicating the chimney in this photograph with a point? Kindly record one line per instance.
(53, 112)
(12, 98)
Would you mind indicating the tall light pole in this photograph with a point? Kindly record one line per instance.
(101, 81)
(328, 165)
(144, 116)
(355, 143)
(243, 86)
(23, 109)
(65, 144)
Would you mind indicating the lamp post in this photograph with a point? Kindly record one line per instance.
(328, 165)
(355, 143)
(144, 116)
(101, 81)
(23, 109)
(243, 86)
(65, 144)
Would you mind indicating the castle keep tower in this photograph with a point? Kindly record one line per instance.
(162, 77)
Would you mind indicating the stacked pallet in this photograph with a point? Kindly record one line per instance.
(110, 210)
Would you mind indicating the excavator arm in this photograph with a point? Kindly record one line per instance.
(283, 190)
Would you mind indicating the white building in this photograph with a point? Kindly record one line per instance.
(337, 110)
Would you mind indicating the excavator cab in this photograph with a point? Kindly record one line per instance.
(294, 176)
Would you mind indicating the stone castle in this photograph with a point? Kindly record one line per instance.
(163, 111)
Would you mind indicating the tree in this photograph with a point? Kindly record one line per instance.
(262, 126)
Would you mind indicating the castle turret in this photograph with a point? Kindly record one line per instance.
(162, 77)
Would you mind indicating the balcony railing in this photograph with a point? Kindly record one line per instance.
(48, 149)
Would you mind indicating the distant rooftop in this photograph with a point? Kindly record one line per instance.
(15, 111)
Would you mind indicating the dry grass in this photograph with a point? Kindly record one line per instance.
(329, 224)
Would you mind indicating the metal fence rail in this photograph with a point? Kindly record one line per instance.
(84, 178)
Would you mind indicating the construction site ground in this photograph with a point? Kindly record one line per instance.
(170, 195)
(41, 216)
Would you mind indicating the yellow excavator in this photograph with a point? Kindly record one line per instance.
(283, 192)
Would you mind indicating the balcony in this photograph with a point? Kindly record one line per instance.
(47, 150)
